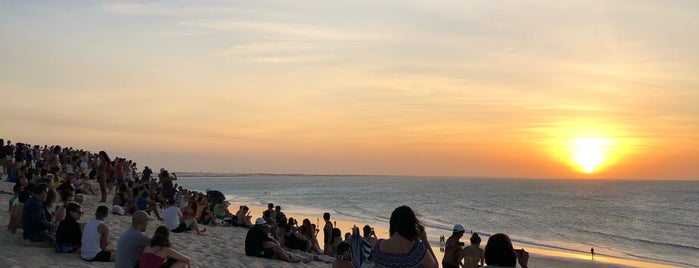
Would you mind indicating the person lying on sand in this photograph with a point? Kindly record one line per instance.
(258, 243)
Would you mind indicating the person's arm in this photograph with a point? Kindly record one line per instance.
(428, 262)
(103, 230)
(523, 259)
(172, 253)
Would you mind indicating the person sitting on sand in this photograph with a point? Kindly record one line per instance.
(144, 203)
(69, 234)
(309, 230)
(16, 212)
(243, 217)
(173, 219)
(160, 252)
(473, 254)
(34, 219)
(123, 203)
(407, 246)
(293, 239)
(343, 259)
(500, 253)
(452, 248)
(258, 243)
(132, 242)
(95, 240)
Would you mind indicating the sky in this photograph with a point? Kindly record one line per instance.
(425, 88)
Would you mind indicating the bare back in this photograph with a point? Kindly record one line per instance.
(472, 255)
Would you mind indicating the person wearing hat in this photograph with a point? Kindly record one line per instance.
(132, 242)
(452, 248)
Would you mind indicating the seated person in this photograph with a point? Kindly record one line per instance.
(144, 203)
(173, 219)
(243, 217)
(207, 217)
(500, 253)
(95, 240)
(16, 212)
(122, 203)
(160, 252)
(294, 240)
(258, 243)
(132, 242)
(343, 260)
(69, 233)
(221, 211)
(34, 219)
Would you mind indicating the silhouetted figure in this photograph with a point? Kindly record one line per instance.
(592, 253)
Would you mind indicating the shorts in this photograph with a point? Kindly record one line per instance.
(181, 228)
(102, 256)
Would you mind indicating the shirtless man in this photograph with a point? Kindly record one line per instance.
(473, 254)
(452, 248)
(327, 234)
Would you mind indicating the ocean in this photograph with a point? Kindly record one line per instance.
(655, 221)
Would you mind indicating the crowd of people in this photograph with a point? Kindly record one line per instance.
(51, 181)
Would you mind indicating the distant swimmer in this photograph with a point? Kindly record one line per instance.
(592, 253)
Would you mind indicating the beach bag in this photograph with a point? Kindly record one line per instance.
(118, 210)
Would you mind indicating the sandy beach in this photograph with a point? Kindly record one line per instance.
(224, 246)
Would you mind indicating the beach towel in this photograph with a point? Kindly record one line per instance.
(360, 249)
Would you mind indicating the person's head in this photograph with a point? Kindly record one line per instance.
(278, 208)
(139, 220)
(326, 216)
(74, 210)
(270, 206)
(103, 155)
(499, 251)
(306, 222)
(475, 239)
(347, 236)
(458, 231)
(102, 212)
(343, 250)
(161, 237)
(40, 191)
(404, 222)
(337, 234)
(367, 230)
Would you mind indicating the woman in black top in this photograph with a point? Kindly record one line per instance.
(69, 233)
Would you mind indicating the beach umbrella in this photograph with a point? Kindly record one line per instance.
(216, 195)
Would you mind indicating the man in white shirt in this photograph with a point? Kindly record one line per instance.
(172, 218)
(95, 240)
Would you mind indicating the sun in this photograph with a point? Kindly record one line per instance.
(589, 153)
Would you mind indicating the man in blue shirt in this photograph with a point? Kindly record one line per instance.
(36, 226)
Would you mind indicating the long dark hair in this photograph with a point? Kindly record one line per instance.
(404, 222)
(161, 237)
(499, 251)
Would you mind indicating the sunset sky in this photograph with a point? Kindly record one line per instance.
(438, 88)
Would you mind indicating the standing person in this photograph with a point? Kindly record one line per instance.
(132, 242)
(592, 253)
(473, 254)
(95, 241)
(407, 246)
(452, 248)
(103, 163)
(173, 219)
(500, 253)
(327, 234)
(159, 253)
